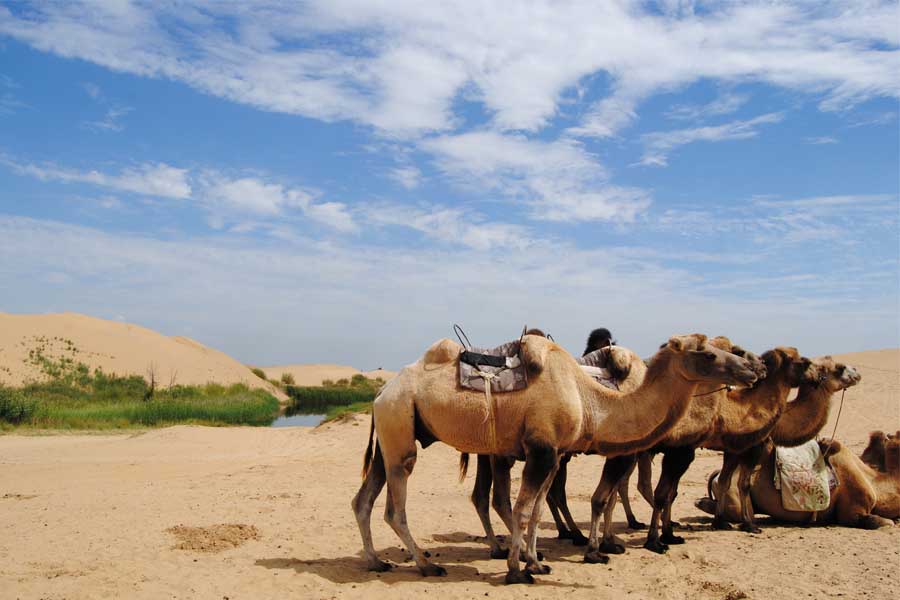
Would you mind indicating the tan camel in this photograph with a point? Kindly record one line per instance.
(678, 448)
(561, 410)
(864, 497)
(804, 417)
(629, 370)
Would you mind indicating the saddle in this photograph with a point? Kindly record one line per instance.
(502, 366)
(804, 478)
(595, 364)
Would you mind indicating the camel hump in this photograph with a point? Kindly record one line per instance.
(441, 352)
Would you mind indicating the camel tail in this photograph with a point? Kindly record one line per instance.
(367, 459)
(463, 465)
(709, 483)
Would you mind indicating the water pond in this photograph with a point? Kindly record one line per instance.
(288, 420)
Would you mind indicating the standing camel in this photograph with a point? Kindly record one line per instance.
(561, 410)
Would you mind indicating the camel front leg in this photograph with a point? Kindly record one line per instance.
(540, 462)
(481, 498)
(362, 508)
(680, 459)
(750, 460)
(532, 556)
(729, 464)
(613, 471)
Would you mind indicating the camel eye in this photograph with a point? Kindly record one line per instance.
(710, 355)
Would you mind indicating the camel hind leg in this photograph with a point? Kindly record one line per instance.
(556, 497)
(362, 507)
(633, 523)
(481, 498)
(729, 465)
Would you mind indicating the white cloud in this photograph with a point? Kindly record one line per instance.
(151, 179)
(819, 140)
(518, 60)
(558, 181)
(724, 104)
(111, 121)
(659, 145)
(407, 176)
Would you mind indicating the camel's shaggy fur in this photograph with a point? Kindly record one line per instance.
(562, 410)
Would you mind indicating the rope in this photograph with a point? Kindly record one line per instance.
(726, 387)
(492, 422)
(836, 421)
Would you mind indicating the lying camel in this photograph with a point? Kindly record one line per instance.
(562, 410)
(864, 497)
(874, 454)
(628, 369)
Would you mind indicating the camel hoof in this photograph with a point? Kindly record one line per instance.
(675, 524)
(518, 577)
(656, 546)
(433, 570)
(379, 566)
(579, 540)
(538, 569)
(637, 525)
(750, 528)
(499, 552)
(668, 538)
(523, 558)
(595, 558)
(611, 548)
(564, 534)
(721, 524)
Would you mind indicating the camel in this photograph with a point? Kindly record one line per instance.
(629, 370)
(678, 447)
(874, 454)
(561, 410)
(866, 498)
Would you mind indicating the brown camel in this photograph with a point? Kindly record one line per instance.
(874, 454)
(561, 410)
(864, 497)
(678, 448)
(628, 369)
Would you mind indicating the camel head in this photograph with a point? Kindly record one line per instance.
(703, 362)
(873, 455)
(785, 362)
(835, 376)
(756, 363)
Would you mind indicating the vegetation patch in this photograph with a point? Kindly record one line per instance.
(71, 396)
(334, 398)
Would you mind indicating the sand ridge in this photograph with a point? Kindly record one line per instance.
(116, 347)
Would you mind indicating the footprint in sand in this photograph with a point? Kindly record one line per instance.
(18, 496)
(214, 538)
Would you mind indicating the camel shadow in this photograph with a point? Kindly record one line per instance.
(352, 569)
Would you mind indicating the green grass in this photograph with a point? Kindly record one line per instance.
(337, 412)
(334, 399)
(73, 397)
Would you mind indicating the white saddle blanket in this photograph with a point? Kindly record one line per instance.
(803, 477)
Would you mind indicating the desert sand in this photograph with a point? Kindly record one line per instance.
(120, 348)
(316, 374)
(194, 512)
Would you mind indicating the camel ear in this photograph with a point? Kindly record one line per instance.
(676, 344)
(701, 339)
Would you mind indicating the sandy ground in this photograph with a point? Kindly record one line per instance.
(316, 374)
(115, 347)
(193, 512)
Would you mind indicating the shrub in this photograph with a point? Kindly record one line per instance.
(287, 379)
(260, 373)
(15, 407)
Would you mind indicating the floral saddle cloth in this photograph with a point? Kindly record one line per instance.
(595, 365)
(803, 477)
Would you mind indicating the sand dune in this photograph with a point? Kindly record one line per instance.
(194, 512)
(120, 348)
(316, 374)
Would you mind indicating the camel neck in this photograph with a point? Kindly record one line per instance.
(804, 417)
(625, 423)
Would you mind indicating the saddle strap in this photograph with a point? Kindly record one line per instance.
(491, 417)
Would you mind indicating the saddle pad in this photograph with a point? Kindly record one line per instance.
(594, 364)
(509, 377)
(803, 477)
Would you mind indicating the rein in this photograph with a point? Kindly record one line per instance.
(836, 421)
(726, 387)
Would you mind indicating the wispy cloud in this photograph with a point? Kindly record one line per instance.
(558, 181)
(407, 176)
(112, 121)
(659, 145)
(820, 140)
(724, 104)
(152, 179)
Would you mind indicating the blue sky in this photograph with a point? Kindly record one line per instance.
(341, 181)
